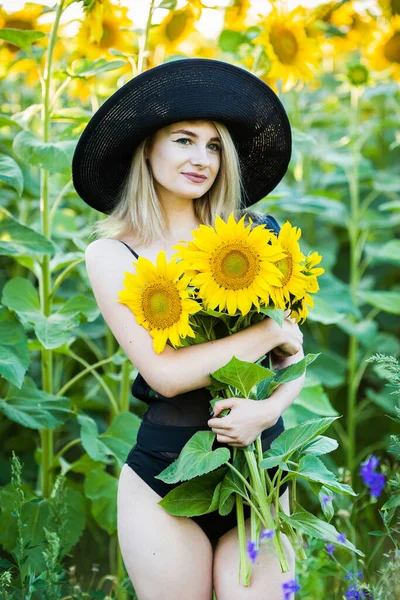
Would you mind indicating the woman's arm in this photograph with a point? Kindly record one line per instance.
(286, 393)
(189, 368)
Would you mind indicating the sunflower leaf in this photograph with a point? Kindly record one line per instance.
(274, 313)
(242, 375)
(196, 458)
(197, 497)
(287, 374)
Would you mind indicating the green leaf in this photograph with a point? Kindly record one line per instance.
(312, 468)
(311, 525)
(196, 497)
(330, 368)
(364, 331)
(229, 40)
(196, 458)
(14, 353)
(289, 373)
(387, 301)
(36, 515)
(293, 439)
(389, 252)
(393, 502)
(34, 408)
(277, 314)
(75, 114)
(323, 313)
(54, 331)
(22, 38)
(55, 157)
(101, 488)
(116, 442)
(316, 400)
(242, 375)
(7, 121)
(86, 307)
(11, 173)
(18, 240)
(383, 398)
(320, 445)
(84, 67)
(232, 484)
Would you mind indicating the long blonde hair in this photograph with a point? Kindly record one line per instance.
(140, 212)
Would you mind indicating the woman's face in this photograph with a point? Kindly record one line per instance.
(185, 147)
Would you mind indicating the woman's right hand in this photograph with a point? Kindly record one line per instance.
(292, 336)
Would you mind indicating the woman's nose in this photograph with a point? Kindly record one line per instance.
(201, 157)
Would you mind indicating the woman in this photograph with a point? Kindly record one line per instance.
(171, 149)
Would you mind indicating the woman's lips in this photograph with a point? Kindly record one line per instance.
(193, 178)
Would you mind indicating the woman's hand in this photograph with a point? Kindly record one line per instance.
(293, 338)
(245, 422)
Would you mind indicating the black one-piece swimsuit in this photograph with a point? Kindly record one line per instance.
(167, 424)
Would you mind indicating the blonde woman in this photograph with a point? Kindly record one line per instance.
(174, 147)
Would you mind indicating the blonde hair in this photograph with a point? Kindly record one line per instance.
(140, 212)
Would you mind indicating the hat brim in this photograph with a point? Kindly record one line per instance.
(182, 90)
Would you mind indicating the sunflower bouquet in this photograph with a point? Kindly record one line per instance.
(228, 277)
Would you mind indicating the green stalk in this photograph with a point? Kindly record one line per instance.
(264, 508)
(354, 233)
(244, 566)
(46, 435)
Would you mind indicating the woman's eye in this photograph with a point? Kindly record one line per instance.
(217, 148)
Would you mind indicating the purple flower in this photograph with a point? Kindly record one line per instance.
(252, 551)
(267, 533)
(341, 538)
(326, 499)
(354, 594)
(375, 481)
(289, 588)
(330, 548)
(349, 575)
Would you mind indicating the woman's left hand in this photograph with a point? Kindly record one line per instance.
(244, 423)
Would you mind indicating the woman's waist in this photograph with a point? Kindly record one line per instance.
(171, 438)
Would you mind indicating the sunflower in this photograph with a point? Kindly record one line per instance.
(106, 26)
(294, 281)
(176, 29)
(232, 266)
(384, 51)
(159, 298)
(299, 310)
(294, 56)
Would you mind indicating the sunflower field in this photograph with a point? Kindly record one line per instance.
(67, 415)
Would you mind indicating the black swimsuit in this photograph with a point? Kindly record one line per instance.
(167, 424)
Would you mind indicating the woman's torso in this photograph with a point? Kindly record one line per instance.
(187, 409)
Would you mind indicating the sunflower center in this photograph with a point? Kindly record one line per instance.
(286, 267)
(161, 304)
(234, 267)
(392, 48)
(284, 44)
(109, 35)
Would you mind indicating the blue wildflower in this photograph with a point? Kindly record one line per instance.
(267, 533)
(289, 588)
(375, 481)
(326, 499)
(341, 538)
(330, 548)
(252, 551)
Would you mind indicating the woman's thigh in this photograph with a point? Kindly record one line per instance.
(266, 577)
(165, 556)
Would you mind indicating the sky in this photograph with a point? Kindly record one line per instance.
(210, 24)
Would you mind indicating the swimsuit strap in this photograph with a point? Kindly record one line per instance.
(133, 252)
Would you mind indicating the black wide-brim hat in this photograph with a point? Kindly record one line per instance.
(182, 90)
